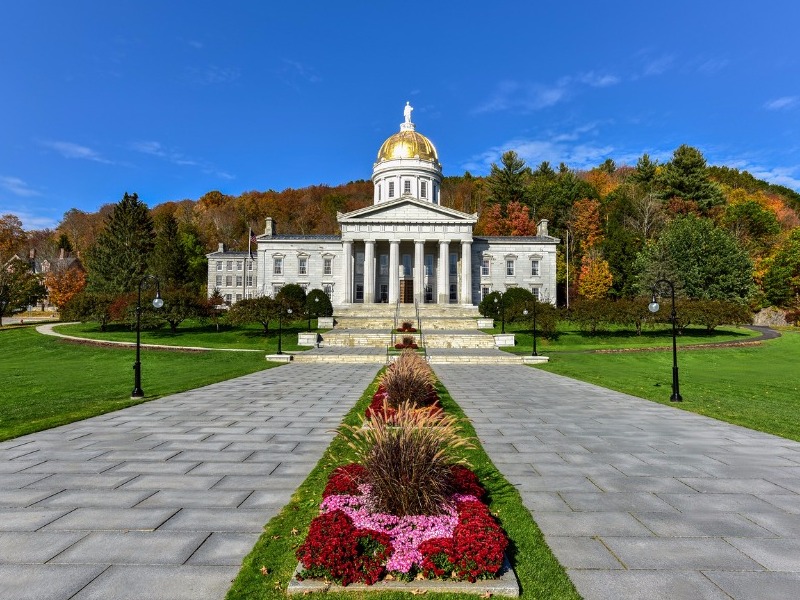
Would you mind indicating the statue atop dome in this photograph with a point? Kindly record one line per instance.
(407, 112)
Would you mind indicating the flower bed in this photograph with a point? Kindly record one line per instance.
(380, 402)
(351, 543)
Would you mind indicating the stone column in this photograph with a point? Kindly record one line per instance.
(369, 272)
(466, 272)
(419, 271)
(347, 259)
(394, 270)
(443, 274)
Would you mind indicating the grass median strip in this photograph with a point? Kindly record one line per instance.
(268, 568)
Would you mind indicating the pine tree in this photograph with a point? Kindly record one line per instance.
(118, 259)
(686, 177)
(169, 261)
(507, 184)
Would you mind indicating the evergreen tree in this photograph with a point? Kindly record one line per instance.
(702, 260)
(507, 184)
(782, 279)
(118, 259)
(169, 261)
(645, 172)
(686, 177)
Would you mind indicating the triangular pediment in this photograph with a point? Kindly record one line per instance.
(406, 210)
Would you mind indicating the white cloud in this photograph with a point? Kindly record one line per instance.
(157, 149)
(783, 103)
(713, 65)
(212, 75)
(301, 70)
(786, 176)
(30, 220)
(530, 96)
(658, 66)
(17, 186)
(72, 150)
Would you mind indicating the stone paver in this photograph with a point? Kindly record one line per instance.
(164, 499)
(655, 502)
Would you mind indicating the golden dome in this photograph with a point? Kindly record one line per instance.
(408, 144)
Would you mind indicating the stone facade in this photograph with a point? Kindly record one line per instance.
(405, 247)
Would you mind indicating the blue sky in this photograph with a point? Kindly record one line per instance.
(174, 99)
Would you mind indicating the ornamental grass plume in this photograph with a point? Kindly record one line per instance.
(407, 459)
(408, 380)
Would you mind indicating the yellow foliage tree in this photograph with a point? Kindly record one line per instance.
(595, 277)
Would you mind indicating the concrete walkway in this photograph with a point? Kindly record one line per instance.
(636, 499)
(163, 500)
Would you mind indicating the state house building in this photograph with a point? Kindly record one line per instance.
(405, 246)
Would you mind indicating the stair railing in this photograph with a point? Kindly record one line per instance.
(419, 330)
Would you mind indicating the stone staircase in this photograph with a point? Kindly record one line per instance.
(449, 333)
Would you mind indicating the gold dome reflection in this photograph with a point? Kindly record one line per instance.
(408, 144)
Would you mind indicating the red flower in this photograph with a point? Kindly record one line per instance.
(345, 480)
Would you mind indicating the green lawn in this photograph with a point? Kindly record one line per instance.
(48, 382)
(268, 568)
(194, 333)
(755, 386)
(571, 339)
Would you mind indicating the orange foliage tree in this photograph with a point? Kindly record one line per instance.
(64, 284)
(586, 223)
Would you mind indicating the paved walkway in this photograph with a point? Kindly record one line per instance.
(636, 499)
(163, 500)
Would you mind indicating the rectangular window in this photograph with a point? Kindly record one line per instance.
(277, 266)
(238, 265)
(219, 265)
(384, 292)
(391, 189)
(485, 291)
(248, 295)
(276, 289)
(249, 281)
(302, 266)
(535, 268)
(509, 268)
(238, 297)
(328, 289)
(453, 293)
(428, 293)
(359, 263)
(429, 265)
(384, 264)
(229, 280)
(228, 298)
(230, 265)
(327, 266)
(407, 187)
(423, 189)
(360, 292)
(250, 265)
(239, 281)
(453, 264)
(407, 265)
(379, 193)
(219, 281)
(485, 267)
(535, 292)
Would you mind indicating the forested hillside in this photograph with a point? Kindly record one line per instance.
(719, 233)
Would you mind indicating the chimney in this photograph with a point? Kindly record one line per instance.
(541, 228)
(221, 247)
(61, 255)
(269, 229)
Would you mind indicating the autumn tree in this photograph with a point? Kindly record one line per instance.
(595, 277)
(12, 236)
(118, 260)
(63, 284)
(585, 223)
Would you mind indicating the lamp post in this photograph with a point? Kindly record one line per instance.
(316, 313)
(280, 327)
(499, 300)
(137, 366)
(525, 312)
(653, 308)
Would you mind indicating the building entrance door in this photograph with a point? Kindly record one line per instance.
(407, 291)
